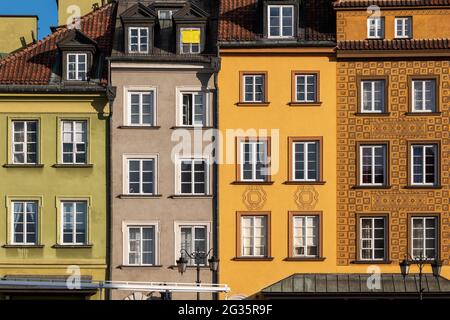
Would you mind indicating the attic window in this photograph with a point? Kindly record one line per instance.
(280, 21)
(165, 14)
(190, 40)
(76, 66)
(138, 40)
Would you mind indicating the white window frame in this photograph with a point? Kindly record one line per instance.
(139, 29)
(253, 160)
(126, 243)
(266, 235)
(244, 91)
(86, 143)
(385, 169)
(306, 145)
(194, 91)
(140, 157)
(305, 87)
(186, 224)
(372, 238)
(378, 28)
(165, 10)
(372, 93)
(436, 232)
(24, 223)
(178, 174)
(25, 143)
(281, 8)
(423, 164)
(413, 95)
(404, 32)
(77, 66)
(305, 218)
(140, 92)
(74, 231)
(190, 44)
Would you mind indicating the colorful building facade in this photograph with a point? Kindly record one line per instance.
(277, 177)
(18, 31)
(53, 191)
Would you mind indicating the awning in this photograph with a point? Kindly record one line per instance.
(356, 286)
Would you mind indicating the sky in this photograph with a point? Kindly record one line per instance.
(45, 9)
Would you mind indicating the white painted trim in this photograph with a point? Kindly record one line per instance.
(127, 90)
(177, 238)
(179, 90)
(126, 157)
(125, 240)
(178, 159)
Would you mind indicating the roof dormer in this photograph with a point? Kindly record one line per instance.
(280, 19)
(138, 24)
(77, 52)
(190, 28)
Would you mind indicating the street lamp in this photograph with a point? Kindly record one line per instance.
(198, 257)
(405, 265)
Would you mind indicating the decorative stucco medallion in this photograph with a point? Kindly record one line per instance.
(254, 197)
(306, 197)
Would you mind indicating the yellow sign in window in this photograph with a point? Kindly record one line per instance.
(190, 36)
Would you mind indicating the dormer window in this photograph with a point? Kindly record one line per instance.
(190, 40)
(375, 28)
(138, 40)
(280, 21)
(165, 14)
(76, 66)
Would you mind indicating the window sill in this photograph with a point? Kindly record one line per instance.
(265, 183)
(372, 114)
(139, 127)
(126, 266)
(191, 196)
(372, 187)
(139, 196)
(62, 165)
(252, 258)
(371, 262)
(13, 165)
(202, 267)
(305, 104)
(72, 246)
(299, 259)
(423, 187)
(304, 182)
(421, 114)
(191, 127)
(253, 104)
(23, 246)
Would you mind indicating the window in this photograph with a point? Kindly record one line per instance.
(165, 14)
(424, 164)
(24, 142)
(403, 27)
(372, 242)
(305, 236)
(138, 40)
(306, 88)
(193, 238)
(373, 96)
(280, 21)
(254, 161)
(193, 176)
(141, 245)
(74, 142)
(25, 215)
(193, 109)
(424, 95)
(141, 110)
(254, 88)
(373, 163)
(305, 161)
(141, 176)
(74, 219)
(190, 40)
(375, 28)
(254, 236)
(77, 66)
(424, 235)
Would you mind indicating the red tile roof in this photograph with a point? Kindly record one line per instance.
(33, 64)
(389, 3)
(241, 20)
(403, 44)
